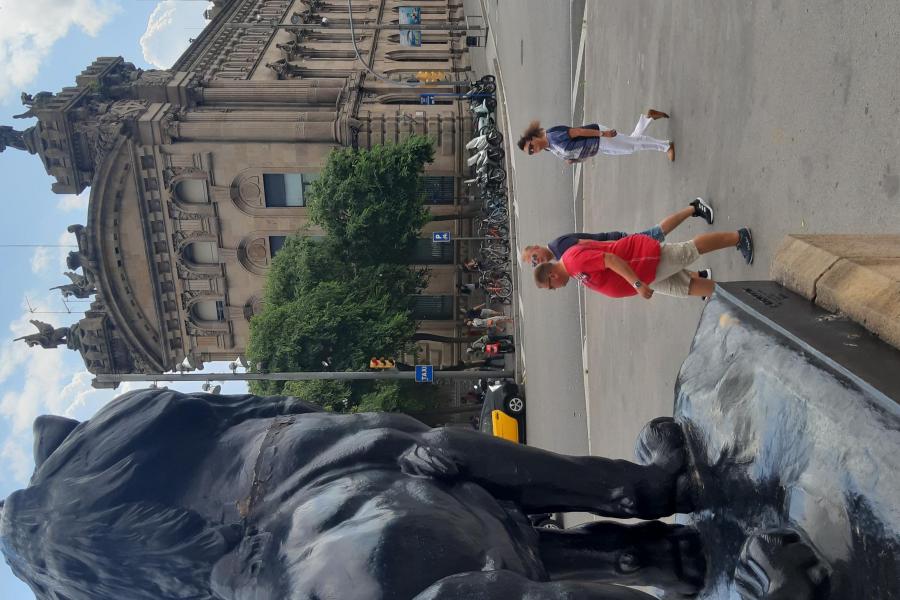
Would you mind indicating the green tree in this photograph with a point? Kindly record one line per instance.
(362, 311)
(348, 297)
(372, 201)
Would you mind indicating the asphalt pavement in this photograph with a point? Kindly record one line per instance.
(536, 82)
(785, 116)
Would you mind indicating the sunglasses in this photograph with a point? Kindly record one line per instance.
(534, 258)
(530, 149)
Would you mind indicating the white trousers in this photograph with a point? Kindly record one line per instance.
(622, 145)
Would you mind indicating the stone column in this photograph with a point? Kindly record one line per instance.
(305, 91)
(325, 116)
(253, 131)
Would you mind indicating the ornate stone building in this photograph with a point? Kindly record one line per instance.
(198, 173)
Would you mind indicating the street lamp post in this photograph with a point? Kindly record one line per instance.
(117, 378)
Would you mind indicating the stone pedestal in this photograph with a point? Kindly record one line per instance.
(858, 275)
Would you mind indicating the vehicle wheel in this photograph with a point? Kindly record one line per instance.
(487, 78)
(515, 405)
(550, 524)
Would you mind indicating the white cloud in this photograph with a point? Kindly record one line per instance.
(74, 203)
(48, 259)
(40, 260)
(169, 27)
(37, 381)
(30, 28)
(40, 381)
(67, 243)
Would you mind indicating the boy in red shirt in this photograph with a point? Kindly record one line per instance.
(627, 267)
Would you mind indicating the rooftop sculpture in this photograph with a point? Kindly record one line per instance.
(47, 336)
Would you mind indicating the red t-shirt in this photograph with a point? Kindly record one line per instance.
(586, 262)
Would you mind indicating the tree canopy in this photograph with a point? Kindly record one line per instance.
(372, 201)
(333, 303)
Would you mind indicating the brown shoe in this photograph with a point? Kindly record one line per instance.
(656, 114)
(671, 152)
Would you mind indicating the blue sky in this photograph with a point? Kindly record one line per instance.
(44, 44)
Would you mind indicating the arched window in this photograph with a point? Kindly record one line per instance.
(192, 191)
(202, 253)
(208, 310)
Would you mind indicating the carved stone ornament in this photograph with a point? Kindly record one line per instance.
(180, 238)
(190, 297)
(174, 175)
(47, 336)
(154, 77)
(20, 140)
(81, 286)
(180, 213)
(194, 330)
(185, 272)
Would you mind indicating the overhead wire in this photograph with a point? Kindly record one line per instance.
(359, 57)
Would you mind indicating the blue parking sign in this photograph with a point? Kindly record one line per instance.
(424, 373)
(440, 236)
(426, 98)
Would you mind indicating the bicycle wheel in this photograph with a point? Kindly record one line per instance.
(494, 138)
(499, 215)
(496, 154)
(497, 175)
(505, 288)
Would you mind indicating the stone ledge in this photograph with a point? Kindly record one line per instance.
(858, 275)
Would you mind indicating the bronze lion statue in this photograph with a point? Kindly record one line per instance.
(164, 495)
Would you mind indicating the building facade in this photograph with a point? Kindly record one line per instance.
(199, 172)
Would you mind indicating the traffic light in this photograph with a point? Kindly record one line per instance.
(430, 76)
(381, 363)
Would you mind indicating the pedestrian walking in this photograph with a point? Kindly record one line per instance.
(640, 265)
(536, 255)
(576, 144)
(480, 311)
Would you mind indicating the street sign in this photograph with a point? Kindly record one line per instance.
(410, 37)
(424, 373)
(409, 15)
(426, 99)
(440, 236)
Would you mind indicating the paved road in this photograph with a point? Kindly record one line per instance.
(785, 116)
(536, 79)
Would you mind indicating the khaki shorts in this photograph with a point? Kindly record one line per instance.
(672, 277)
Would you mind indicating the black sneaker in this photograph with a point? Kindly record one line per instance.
(705, 274)
(703, 210)
(745, 244)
